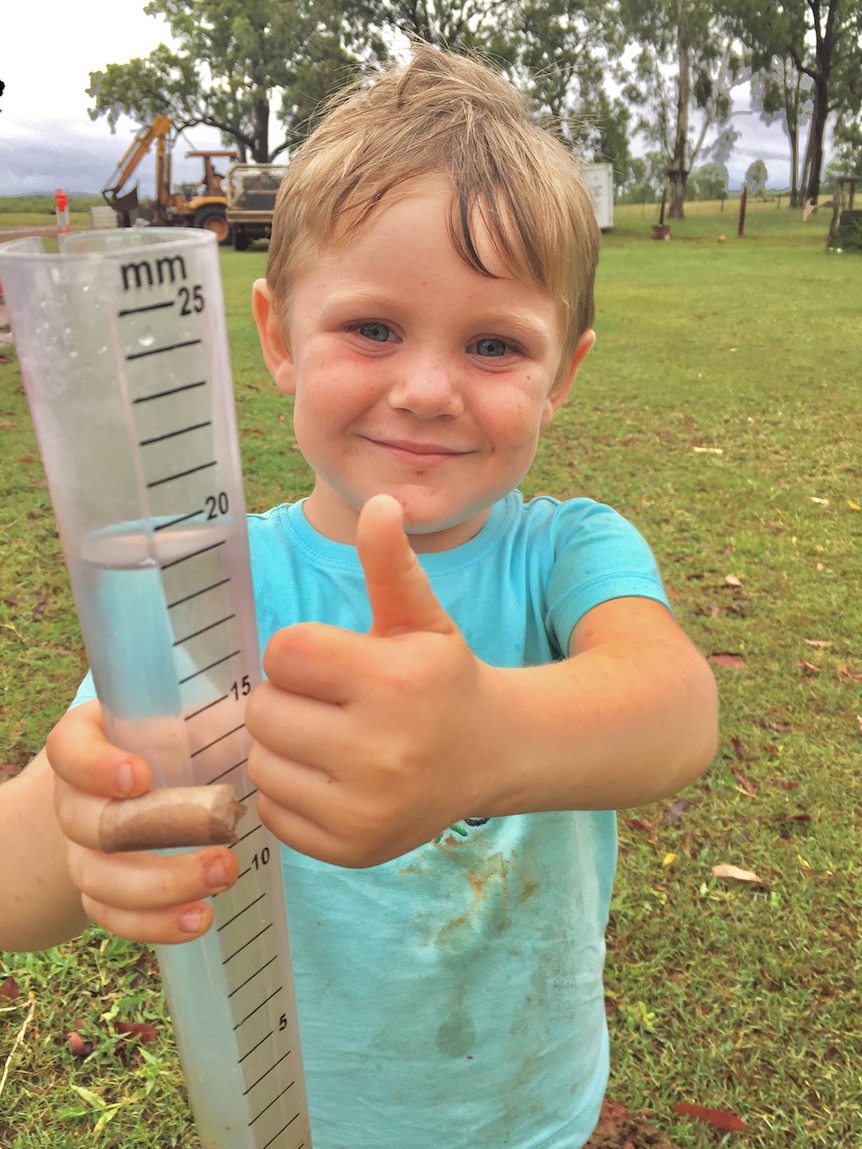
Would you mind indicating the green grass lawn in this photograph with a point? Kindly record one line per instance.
(720, 411)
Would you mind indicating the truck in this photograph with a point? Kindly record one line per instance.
(203, 204)
(251, 192)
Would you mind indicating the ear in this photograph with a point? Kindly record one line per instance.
(275, 352)
(560, 390)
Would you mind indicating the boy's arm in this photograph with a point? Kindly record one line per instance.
(369, 745)
(56, 881)
(39, 905)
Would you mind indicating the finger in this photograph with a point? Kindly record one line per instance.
(399, 591)
(315, 661)
(155, 927)
(80, 753)
(309, 730)
(142, 882)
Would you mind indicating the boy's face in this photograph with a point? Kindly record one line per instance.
(415, 375)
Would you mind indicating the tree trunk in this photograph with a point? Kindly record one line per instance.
(794, 165)
(260, 130)
(819, 116)
(678, 168)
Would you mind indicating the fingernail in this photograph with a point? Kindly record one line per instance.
(216, 875)
(124, 778)
(190, 920)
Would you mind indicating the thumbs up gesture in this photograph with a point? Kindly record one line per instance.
(368, 745)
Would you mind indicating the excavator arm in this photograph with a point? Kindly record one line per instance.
(114, 191)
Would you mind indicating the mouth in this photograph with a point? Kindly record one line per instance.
(418, 454)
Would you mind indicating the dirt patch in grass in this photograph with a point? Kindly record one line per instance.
(618, 1128)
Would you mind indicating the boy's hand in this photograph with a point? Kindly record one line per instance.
(141, 896)
(370, 745)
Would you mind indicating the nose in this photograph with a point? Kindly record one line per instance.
(428, 386)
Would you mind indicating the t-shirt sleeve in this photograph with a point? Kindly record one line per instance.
(598, 556)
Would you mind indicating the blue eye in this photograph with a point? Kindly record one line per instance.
(376, 332)
(491, 348)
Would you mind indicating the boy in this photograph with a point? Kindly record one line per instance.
(460, 687)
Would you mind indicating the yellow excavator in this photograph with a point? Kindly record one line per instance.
(195, 205)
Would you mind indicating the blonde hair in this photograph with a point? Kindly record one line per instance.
(443, 114)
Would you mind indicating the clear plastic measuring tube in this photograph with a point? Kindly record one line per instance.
(122, 343)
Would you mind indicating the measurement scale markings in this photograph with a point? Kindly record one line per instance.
(301, 1145)
(162, 350)
(257, 1045)
(221, 737)
(265, 1001)
(245, 945)
(173, 434)
(252, 977)
(145, 307)
(212, 665)
(277, 1096)
(230, 921)
(230, 769)
(204, 629)
(208, 706)
(250, 794)
(263, 1075)
(203, 590)
(171, 391)
(192, 555)
(176, 522)
(249, 833)
(181, 475)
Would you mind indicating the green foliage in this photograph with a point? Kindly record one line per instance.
(756, 175)
(233, 61)
(685, 71)
(709, 182)
(817, 39)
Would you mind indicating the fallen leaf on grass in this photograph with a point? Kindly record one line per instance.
(732, 580)
(822, 502)
(718, 1118)
(845, 674)
(734, 661)
(673, 814)
(9, 989)
(636, 824)
(743, 781)
(141, 1029)
(816, 642)
(77, 1046)
(709, 450)
(668, 860)
(808, 668)
(725, 870)
(853, 506)
(859, 720)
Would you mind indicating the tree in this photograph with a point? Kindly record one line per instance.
(781, 91)
(756, 176)
(235, 57)
(686, 69)
(710, 181)
(823, 40)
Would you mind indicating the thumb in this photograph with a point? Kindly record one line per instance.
(398, 588)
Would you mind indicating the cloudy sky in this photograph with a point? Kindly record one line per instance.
(47, 139)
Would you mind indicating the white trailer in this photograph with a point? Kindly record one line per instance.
(599, 179)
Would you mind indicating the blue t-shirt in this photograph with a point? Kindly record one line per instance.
(453, 996)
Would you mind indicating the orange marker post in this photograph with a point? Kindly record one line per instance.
(61, 201)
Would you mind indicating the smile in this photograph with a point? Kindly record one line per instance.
(418, 454)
